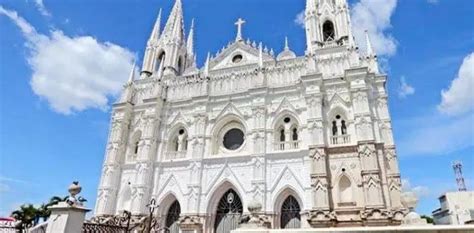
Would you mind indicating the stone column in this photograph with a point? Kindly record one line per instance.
(320, 214)
(109, 184)
(142, 187)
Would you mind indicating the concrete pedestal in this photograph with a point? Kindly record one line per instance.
(66, 219)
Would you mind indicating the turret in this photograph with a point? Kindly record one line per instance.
(167, 49)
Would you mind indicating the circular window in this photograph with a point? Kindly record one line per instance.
(338, 117)
(237, 58)
(181, 131)
(286, 120)
(233, 139)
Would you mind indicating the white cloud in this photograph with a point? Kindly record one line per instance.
(420, 191)
(435, 135)
(459, 98)
(41, 8)
(299, 19)
(434, 2)
(73, 73)
(405, 89)
(374, 16)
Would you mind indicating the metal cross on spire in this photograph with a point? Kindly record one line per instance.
(239, 24)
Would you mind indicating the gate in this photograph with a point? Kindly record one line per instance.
(229, 212)
(290, 213)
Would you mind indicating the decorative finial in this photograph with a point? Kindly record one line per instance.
(260, 55)
(73, 190)
(206, 66)
(239, 24)
(286, 43)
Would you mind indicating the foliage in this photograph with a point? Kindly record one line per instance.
(428, 218)
(28, 215)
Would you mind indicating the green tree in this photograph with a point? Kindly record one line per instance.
(27, 215)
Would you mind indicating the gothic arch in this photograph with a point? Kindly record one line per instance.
(166, 201)
(281, 196)
(281, 115)
(215, 196)
(345, 189)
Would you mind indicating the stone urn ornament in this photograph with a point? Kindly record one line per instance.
(410, 200)
(74, 189)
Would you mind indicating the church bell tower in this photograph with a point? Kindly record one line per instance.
(327, 22)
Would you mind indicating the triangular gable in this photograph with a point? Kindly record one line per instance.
(229, 175)
(250, 55)
(336, 99)
(288, 172)
(178, 117)
(171, 178)
(285, 104)
(230, 108)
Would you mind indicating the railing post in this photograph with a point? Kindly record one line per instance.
(66, 219)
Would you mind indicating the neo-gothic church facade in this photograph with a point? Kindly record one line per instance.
(309, 138)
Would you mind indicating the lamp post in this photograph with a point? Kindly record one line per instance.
(151, 208)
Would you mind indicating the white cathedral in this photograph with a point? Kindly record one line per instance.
(307, 137)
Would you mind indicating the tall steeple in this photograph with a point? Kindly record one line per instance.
(149, 59)
(174, 28)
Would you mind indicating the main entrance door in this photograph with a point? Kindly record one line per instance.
(172, 218)
(229, 211)
(290, 213)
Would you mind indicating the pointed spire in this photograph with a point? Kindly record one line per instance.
(206, 66)
(131, 77)
(174, 25)
(370, 50)
(260, 55)
(286, 44)
(155, 34)
(190, 41)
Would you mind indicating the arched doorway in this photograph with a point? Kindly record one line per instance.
(172, 218)
(229, 211)
(290, 213)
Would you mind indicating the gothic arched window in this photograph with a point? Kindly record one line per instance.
(282, 135)
(178, 144)
(334, 128)
(328, 31)
(135, 143)
(343, 127)
(295, 134)
(286, 134)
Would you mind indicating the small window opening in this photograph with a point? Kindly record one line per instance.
(343, 127)
(295, 134)
(334, 128)
(135, 151)
(282, 135)
(237, 58)
(287, 120)
(328, 31)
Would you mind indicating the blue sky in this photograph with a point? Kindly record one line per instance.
(63, 62)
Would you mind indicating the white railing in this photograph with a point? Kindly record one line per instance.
(170, 155)
(291, 145)
(340, 140)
